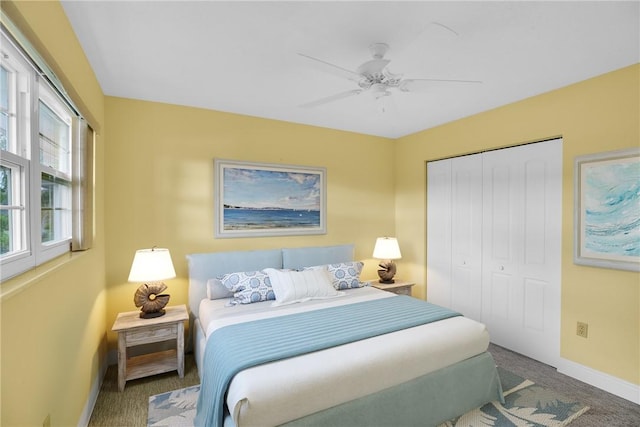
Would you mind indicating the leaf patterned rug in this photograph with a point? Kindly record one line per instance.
(526, 405)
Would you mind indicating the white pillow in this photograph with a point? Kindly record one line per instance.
(299, 286)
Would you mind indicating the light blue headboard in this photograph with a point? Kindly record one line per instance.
(296, 258)
(205, 266)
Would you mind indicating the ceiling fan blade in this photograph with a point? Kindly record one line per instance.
(332, 98)
(334, 69)
(418, 85)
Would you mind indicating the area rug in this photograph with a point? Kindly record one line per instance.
(526, 404)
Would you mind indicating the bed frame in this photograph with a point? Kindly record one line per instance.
(427, 400)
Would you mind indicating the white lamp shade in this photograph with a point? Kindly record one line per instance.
(152, 265)
(387, 248)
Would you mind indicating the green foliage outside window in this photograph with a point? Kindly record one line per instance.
(5, 240)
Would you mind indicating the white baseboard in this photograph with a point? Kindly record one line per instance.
(603, 381)
(96, 384)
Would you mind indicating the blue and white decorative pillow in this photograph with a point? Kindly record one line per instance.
(346, 275)
(248, 287)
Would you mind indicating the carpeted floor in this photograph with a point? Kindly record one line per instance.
(605, 409)
(129, 408)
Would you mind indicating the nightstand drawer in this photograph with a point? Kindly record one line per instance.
(151, 334)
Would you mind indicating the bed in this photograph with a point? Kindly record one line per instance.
(412, 373)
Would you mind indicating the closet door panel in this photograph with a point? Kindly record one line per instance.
(521, 189)
(501, 208)
(535, 212)
(502, 245)
(498, 307)
(535, 308)
(466, 235)
(439, 232)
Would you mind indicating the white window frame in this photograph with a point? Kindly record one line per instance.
(49, 250)
(21, 256)
(31, 88)
(21, 83)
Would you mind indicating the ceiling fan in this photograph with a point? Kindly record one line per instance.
(374, 77)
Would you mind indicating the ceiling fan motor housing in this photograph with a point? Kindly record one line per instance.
(378, 50)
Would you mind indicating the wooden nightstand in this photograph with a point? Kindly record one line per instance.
(132, 331)
(399, 287)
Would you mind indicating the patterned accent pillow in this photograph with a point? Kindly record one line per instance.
(248, 287)
(346, 275)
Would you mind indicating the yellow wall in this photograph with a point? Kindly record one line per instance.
(52, 320)
(159, 185)
(600, 114)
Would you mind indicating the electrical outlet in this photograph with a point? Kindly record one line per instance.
(582, 330)
(47, 421)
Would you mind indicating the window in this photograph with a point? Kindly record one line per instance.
(54, 123)
(40, 137)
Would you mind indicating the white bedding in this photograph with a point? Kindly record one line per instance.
(285, 390)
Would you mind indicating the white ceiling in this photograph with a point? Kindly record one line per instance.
(242, 57)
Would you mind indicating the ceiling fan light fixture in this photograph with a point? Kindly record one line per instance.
(379, 90)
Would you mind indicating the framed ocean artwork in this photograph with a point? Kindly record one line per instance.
(261, 199)
(607, 210)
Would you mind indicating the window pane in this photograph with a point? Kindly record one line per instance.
(55, 196)
(12, 215)
(55, 141)
(5, 220)
(4, 109)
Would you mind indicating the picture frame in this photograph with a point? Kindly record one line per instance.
(264, 199)
(607, 210)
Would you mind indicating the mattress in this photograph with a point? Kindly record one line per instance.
(285, 390)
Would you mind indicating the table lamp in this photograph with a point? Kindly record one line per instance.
(151, 266)
(387, 250)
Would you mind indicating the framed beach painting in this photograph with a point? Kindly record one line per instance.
(261, 199)
(607, 210)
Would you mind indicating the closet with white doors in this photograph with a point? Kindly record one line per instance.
(494, 231)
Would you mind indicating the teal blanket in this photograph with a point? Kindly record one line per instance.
(234, 348)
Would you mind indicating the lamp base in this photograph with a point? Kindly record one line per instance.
(386, 281)
(386, 271)
(153, 314)
(150, 300)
